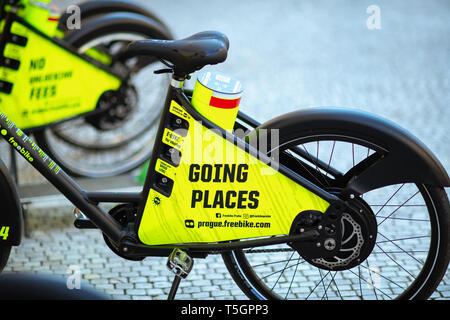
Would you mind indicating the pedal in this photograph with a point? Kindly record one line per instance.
(81, 222)
(180, 263)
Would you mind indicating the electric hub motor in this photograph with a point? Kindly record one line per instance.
(344, 243)
(114, 109)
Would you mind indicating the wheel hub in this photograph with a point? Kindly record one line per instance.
(114, 109)
(352, 238)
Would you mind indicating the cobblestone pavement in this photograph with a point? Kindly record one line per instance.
(289, 55)
(54, 246)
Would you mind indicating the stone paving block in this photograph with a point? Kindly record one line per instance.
(155, 292)
(124, 286)
(200, 295)
(114, 292)
(135, 292)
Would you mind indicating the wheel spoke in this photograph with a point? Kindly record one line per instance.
(331, 281)
(395, 261)
(318, 284)
(380, 275)
(404, 219)
(269, 263)
(317, 170)
(370, 284)
(402, 250)
(323, 283)
(304, 167)
(331, 156)
(391, 267)
(292, 280)
(402, 239)
(389, 200)
(398, 207)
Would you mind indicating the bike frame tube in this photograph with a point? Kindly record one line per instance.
(87, 202)
(179, 94)
(11, 16)
(176, 92)
(247, 122)
(58, 178)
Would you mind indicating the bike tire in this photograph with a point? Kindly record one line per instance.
(4, 256)
(90, 10)
(109, 152)
(253, 270)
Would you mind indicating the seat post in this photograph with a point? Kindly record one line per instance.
(177, 82)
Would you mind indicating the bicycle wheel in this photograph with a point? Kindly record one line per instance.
(407, 259)
(122, 139)
(4, 255)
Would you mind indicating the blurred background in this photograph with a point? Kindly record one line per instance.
(291, 55)
(297, 54)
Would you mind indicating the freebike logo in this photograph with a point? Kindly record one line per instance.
(226, 224)
(233, 224)
(22, 150)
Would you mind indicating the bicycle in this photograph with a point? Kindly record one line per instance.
(296, 206)
(47, 72)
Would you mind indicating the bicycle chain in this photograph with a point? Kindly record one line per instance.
(259, 251)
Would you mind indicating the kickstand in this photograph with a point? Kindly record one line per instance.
(174, 288)
(180, 263)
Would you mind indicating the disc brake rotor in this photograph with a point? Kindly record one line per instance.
(359, 231)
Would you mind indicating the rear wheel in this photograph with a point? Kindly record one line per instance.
(122, 138)
(404, 254)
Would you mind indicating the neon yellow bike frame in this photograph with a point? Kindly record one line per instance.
(217, 190)
(42, 79)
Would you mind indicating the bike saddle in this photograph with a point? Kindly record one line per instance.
(186, 55)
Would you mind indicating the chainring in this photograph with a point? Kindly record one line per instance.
(123, 214)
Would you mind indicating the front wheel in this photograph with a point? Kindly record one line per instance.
(4, 255)
(406, 259)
